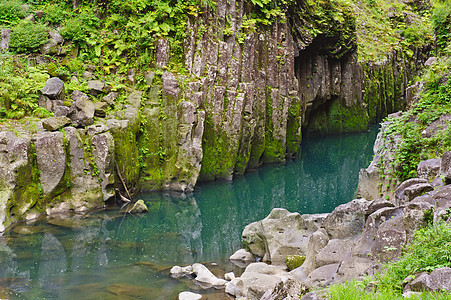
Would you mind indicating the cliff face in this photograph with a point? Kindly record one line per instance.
(246, 95)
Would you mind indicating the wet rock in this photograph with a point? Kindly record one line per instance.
(428, 169)
(438, 280)
(322, 277)
(445, 166)
(26, 230)
(255, 281)
(285, 289)
(55, 123)
(189, 296)
(242, 258)
(122, 289)
(346, 220)
(138, 207)
(5, 37)
(280, 234)
(51, 159)
(82, 110)
(54, 89)
(206, 278)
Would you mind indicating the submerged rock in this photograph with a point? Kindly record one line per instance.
(189, 296)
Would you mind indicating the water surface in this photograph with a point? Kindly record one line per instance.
(106, 255)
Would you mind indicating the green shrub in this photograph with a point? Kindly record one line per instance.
(28, 36)
(54, 14)
(11, 11)
(78, 29)
(441, 19)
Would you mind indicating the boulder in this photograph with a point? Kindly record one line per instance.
(82, 110)
(242, 258)
(438, 280)
(56, 36)
(110, 98)
(229, 276)
(5, 37)
(416, 190)
(61, 111)
(285, 289)
(354, 267)
(51, 159)
(255, 281)
(162, 53)
(206, 278)
(400, 192)
(100, 109)
(346, 220)
(55, 123)
(294, 261)
(280, 234)
(189, 296)
(322, 277)
(318, 241)
(334, 252)
(138, 207)
(428, 169)
(170, 84)
(51, 47)
(414, 216)
(102, 147)
(95, 87)
(54, 89)
(389, 239)
(445, 166)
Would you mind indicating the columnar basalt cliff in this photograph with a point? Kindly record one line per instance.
(247, 93)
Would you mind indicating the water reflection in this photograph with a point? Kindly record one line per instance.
(105, 255)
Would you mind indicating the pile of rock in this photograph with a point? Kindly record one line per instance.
(348, 243)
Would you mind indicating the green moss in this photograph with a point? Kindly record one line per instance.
(294, 261)
(274, 149)
(294, 134)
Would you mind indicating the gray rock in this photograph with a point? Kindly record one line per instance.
(285, 289)
(56, 36)
(5, 37)
(95, 87)
(55, 123)
(334, 252)
(317, 241)
(51, 159)
(51, 47)
(389, 239)
(280, 234)
(428, 169)
(135, 99)
(310, 296)
(100, 109)
(148, 77)
(255, 281)
(170, 84)
(162, 53)
(354, 267)
(377, 204)
(445, 166)
(82, 110)
(54, 89)
(346, 220)
(137, 207)
(242, 258)
(430, 61)
(322, 277)
(438, 280)
(103, 153)
(189, 296)
(87, 75)
(400, 191)
(206, 278)
(61, 111)
(414, 216)
(110, 98)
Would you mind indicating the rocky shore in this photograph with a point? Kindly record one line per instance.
(287, 254)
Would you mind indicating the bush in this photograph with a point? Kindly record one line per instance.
(28, 37)
(77, 29)
(11, 11)
(54, 14)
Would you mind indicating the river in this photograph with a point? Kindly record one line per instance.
(107, 255)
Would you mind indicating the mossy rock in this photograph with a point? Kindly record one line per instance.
(294, 261)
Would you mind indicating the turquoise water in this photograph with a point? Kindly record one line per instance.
(106, 255)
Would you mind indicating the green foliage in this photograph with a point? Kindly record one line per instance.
(429, 250)
(79, 28)
(11, 11)
(54, 14)
(441, 19)
(19, 86)
(28, 37)
(294, 261)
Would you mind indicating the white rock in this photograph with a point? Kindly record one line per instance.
(229, 276)
(203, 275)
(189, 296)
(177, 271)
